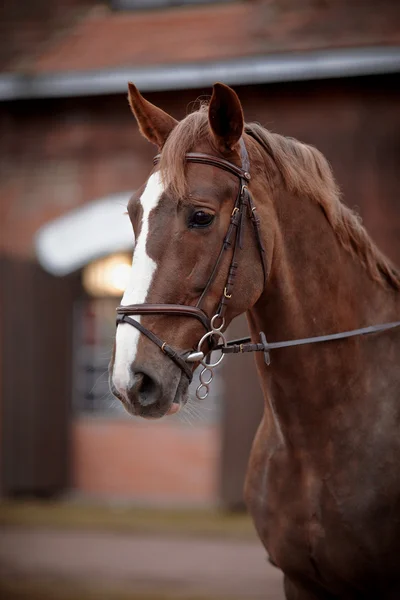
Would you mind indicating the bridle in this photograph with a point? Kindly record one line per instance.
(233, 239)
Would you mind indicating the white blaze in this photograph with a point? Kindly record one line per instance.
(142, 272)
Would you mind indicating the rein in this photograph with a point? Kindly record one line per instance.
(233, 239)
(242, 345)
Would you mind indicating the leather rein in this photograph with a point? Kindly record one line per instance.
(233, 239)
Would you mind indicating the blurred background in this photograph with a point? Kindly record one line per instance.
(93, 503)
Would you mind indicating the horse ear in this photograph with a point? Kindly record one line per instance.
(154, 123)
(225, 117)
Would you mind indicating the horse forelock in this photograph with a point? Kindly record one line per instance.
(303, 171)
(189, 132)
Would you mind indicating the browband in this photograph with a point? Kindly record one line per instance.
(212, 161)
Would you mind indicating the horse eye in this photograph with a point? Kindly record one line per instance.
(201, 219)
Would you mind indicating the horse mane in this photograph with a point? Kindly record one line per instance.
(304, 171)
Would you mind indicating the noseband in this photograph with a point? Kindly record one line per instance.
(216, 340)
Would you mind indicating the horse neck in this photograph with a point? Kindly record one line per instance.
(315, 287)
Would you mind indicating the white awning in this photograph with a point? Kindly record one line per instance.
(82, 235)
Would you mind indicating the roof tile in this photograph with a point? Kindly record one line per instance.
(103, 39)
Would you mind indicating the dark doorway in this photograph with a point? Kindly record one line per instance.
(36, 313)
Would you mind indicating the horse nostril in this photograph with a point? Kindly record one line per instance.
(145, 388)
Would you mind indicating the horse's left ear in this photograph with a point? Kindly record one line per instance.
(225, 117)
(154, 123)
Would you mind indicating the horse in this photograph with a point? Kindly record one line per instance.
(323, 483)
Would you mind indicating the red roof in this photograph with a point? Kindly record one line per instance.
(104, 39)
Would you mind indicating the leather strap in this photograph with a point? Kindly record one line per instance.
(255, 219)
(244, 157)
(243, 345)
(237, 220)
(164, 347)
(213, 161)
(180, 310)
(227, 243)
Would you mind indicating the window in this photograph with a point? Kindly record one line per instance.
(94, 333)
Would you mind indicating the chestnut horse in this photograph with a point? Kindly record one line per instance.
(323, 483)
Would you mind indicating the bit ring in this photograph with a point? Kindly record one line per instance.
(198, 395)
(212, 323)
(205, 337)
(203, 374)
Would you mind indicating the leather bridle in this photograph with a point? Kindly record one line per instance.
(233, 239)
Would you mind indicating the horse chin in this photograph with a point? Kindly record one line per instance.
(181, 396)
(179, 401)
(164, 407)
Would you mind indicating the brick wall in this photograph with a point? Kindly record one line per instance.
(57, 155)
(25, 27)
(164, 463)
(323, 23)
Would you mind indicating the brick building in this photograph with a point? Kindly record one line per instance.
(325, 72)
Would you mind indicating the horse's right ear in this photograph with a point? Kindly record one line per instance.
(225, 117)
(154, 123)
